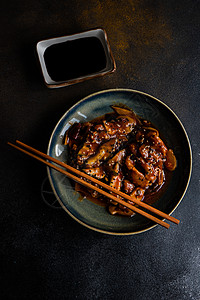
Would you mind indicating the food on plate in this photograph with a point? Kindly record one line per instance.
(124, 151)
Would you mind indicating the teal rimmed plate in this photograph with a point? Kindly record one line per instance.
(92, 215)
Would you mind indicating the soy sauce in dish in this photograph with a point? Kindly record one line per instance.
(76, 58)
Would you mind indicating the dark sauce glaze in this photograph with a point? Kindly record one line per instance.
(76, 58)
(150, 197)
(152, 194)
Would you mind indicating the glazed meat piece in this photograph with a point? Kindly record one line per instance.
(86, 151)
(102, 153)
(116, 178)
(121, 126)
(128, 186)
(117, 158)
(73, 135)
(123, 151)
(95, 172)
(158, 144)
(92, 141)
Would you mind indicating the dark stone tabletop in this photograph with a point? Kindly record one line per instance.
(44, 253)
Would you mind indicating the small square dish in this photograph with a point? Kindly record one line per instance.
(74, 58)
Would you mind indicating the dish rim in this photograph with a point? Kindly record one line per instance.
(119, 90)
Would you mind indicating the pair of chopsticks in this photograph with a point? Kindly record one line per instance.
(37, 155)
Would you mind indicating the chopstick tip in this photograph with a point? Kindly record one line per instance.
(166, 225)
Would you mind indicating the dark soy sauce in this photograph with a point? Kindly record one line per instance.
(74, 59)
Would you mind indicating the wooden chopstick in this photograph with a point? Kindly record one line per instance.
(140, 203)
(88, 185)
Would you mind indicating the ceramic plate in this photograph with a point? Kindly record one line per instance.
(92, 215)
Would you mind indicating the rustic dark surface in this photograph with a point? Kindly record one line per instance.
(45, 254)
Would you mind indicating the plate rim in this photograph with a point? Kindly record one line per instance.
(108, 91)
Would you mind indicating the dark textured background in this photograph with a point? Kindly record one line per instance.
(45, 254)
